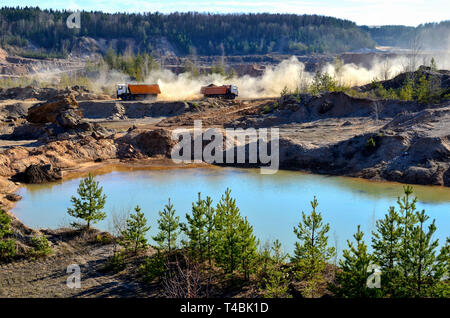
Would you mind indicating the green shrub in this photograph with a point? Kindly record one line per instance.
(323, 82)
(41, 246)
(370, 144)
(115, 263)
(5, 224)
(272, 272)
(154, 267)
(103, 239)
(407, 90)
(284, 91)
(266, 109)
(8, 249)
(7, 246)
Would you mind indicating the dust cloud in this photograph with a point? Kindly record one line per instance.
(290, 73)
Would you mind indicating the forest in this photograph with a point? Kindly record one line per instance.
(430, 35)
(32, 28)
(189, 33)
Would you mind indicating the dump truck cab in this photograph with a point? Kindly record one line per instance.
(234, 90)
(122, 89)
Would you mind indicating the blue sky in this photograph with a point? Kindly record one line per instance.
(363, 12)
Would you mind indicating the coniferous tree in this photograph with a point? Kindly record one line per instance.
(209, 229)
(248, 245)
(406, 253)
(426, 269)
(195, 229)
(227, 237)
(90, 203)
(311, 251)
(351, 280)
(442, 288)
(444, 256)
(407, 207)
(274, 275)
(386, 249)
(168, 225)
(408, 220)
(133, 237)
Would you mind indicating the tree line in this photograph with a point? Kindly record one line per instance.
(405, 260)
(189, 33)
(431, 35)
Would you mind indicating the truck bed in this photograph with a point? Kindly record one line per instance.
(214, 90)
(144, 89)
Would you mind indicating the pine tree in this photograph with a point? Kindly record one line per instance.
(419, 267)
(406, 252)
(210, 229)
(275, 276)
(195, 229)
(444, 256)
(133, 237)
(386, 247)
(426, 269)
(311, 251)
(442, 289)
(227, 237)
(407, 211)
(248, 245)
(168, 225)
(351, 280)
(90, 203)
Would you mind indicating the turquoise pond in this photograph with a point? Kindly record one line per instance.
(272, 203)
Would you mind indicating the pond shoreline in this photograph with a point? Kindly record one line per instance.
(82, 169)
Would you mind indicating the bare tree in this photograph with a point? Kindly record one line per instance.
(184, 281)
(415, 51)
(117, 223)
(386, 69)
(338, 69)
(376, 110)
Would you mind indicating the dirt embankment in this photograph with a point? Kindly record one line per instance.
(384, 139)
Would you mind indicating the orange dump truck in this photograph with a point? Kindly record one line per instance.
(134, 91)
(224, 91)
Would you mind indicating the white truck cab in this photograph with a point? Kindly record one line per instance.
(234, 90)
(122, 89)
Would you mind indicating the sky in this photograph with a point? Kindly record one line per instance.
(363, 12)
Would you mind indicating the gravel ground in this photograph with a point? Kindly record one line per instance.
(47, 277)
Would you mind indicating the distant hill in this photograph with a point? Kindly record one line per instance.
(429, 35)
(37, 33)
(204, 34)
